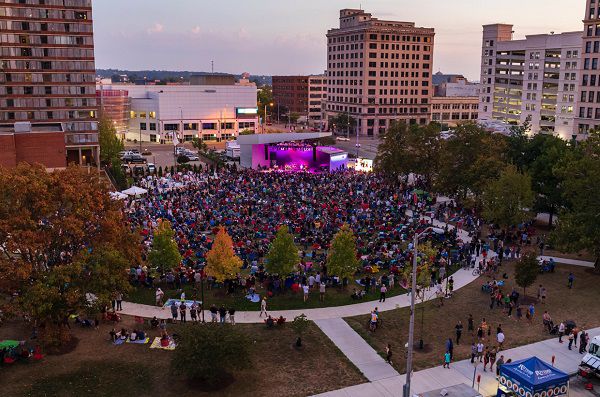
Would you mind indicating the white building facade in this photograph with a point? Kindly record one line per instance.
(532, 79)
(211, 112)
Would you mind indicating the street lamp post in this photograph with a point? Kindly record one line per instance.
(411, 327)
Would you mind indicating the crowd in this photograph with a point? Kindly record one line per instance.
(252, 205)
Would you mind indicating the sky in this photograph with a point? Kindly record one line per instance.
(279, 37)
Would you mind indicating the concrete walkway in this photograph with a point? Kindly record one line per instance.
(566, 261)
(354, 347)
(463, 372)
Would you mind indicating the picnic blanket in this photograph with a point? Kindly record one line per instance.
(255, 298)
(156, 344)
(119, 342)
(139, 341)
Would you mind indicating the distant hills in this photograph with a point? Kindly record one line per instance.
(166, 75)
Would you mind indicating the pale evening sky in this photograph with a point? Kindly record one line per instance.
(288, 37)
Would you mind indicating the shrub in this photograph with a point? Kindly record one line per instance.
(208, 353)
(182, 159)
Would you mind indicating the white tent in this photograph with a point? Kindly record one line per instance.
(118, 195)
(134, 191)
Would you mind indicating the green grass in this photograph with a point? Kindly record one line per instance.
(95, 378)
(287, 301)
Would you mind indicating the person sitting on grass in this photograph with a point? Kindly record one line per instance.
(113, 335)
(154, 322)
(133, 335)
(124, 334)
(280, 320)
(270, 322)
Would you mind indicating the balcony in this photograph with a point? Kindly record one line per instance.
(81, 139)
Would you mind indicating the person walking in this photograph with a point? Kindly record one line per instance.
(480, 348)
(222, 314)
(322, 292)
(486, 358)
(450, 347)
(570, 280)
(382, 292)
(500, 337)
(447, 359)
(458, 328)
(388, 354)
(159, 295)
(561, 331)
(305, 289)
(232, 315)
(263, 307)
(473, 352)
(499, 364)
(571, 339)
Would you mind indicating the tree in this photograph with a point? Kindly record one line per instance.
(164, 253)
(293, 117)
(342, 123)
(264, 98)
(210, 352)
(546, 152)
(507, 199)
(283, 254)
(526, 270)
(110, 144)
(199, 144)
(409, 149)
(578, 226)
(469, 160)
(221, 261)
(300, 325)
(342, 257)
(517, 144)
(60, 236)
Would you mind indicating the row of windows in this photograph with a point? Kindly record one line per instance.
(33, 103)
(46, 27)
(46, 78)
(43, 13)
(47, 115)
(589, 113)
(455, 106)
(71, 53)
(55, 3)
(453, 116)
(382, 37)
(392, 110)
(392, 101)
(590, 96)
(47, 90)
(45, 65)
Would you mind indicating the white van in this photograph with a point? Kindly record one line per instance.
(591, 360)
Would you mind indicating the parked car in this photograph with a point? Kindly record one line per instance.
(133, 159)
(151, 168)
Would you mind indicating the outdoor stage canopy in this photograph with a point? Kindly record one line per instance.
(532, 377)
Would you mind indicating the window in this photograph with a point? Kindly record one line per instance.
(152, 137)
(171, 127)
(152, 126)
(190, 126)
(209, 126)
(143, 126)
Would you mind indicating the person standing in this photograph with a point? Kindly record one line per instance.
(500, 337)
(458, 328)
(305, 290)
(480, 348)
(159, 297)
(232, 315)
(382, 292)
(322, 292)
(473, 352)
(486, 358)
(470, 326)
(213, 313)
(571, 339)
(222, 314)
(183, 312)
(561, 331)
(119, 299)
(194, 312)
(499, 363)
(583, 340)
(174, 312)
(450, 347)
(388, 354)
(263, 307)
(447, 359)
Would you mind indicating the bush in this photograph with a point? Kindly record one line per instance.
(208, 353)
(182, 159)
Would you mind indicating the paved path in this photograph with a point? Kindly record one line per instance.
(566, 261)
(462, 372)
(363, 356)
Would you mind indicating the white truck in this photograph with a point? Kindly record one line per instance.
(591, 360)
(232, 150)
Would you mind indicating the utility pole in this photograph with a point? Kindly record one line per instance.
(212, 66)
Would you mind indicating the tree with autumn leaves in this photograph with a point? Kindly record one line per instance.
(221, 261)
(64, 245)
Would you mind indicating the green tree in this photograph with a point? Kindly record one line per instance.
(342, 257)
(164, 253)
(507, 199)
(283, 254)
(199, 144)
(526, 270)
(300, 325)
(264, 98)
(517, 144)
(547, 152)
(578, 226)
(469, 160)
(409, 149)
(221, 261)
(110, 144)
(293, 117)
(343, 124)
(211, 352)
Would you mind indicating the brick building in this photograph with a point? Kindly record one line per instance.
(300, 94)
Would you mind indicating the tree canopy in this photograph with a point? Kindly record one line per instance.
(507, 200)
(164, 253)
(526, 270)
(221, 261)
(60, 236)
(283, 254)
(342, 257)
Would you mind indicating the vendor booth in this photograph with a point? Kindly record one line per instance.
(532, 377)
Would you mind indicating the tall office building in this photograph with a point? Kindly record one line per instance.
(300, 94)
(536, 78)
(588, 112)
(47, 83)
(378, 71)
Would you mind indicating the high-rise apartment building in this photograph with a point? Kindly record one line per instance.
(378, 71)
(536, 78)
(588, 112)
(47, 83)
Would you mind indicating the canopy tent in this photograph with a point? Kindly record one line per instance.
(134, 191)
(118, 195)
(7, 344)
(532, 377)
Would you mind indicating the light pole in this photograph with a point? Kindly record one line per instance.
(411, 327)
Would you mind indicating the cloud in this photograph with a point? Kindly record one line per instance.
(196, 30)
(157, 28)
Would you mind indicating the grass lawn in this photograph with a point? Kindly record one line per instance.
(581, 304)
(289, 300)
(97, 368)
